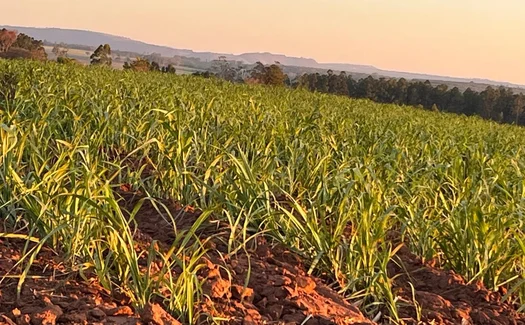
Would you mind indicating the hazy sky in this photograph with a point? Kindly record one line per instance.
(465, 38)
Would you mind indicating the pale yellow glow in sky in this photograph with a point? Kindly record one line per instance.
(465, 38)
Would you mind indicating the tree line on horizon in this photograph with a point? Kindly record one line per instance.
(499, 104)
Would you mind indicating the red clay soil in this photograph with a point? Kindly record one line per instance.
(52, 296)
(444, 297)
(278, 290)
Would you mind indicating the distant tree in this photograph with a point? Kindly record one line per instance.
(473, 102)
(489, 98)
(385, 90)
(7, 39)
(24, 41)
(413, 94)
(425, 93)
(288, 81)
(321, 83)
(60, 50)
(313, 81)
(35, 47)
(205, 74)
(154, 66)
(56, 50)
(102, 56)
(169, 69)
(39, 54)
(439, 96)
(304, 81)
(518, 108)
(66, 60)
(332, 82)
(367, 88)
(258, 72)
(224, 69)
(504, 105)
(274, 75)
(341, 85)
(142, 64)
(401, 92)
(268, 75)
(456, 101)
(351, 85)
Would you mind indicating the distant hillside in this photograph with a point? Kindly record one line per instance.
(81, 37)
(270, 58)
(71, 36)
(89, 38)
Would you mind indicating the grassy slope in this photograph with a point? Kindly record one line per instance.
(453, 186)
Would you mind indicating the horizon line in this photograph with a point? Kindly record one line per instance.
(428, 74)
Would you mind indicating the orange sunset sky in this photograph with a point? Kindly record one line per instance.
(463, 38)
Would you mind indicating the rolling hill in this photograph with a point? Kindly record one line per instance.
(90, 38)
